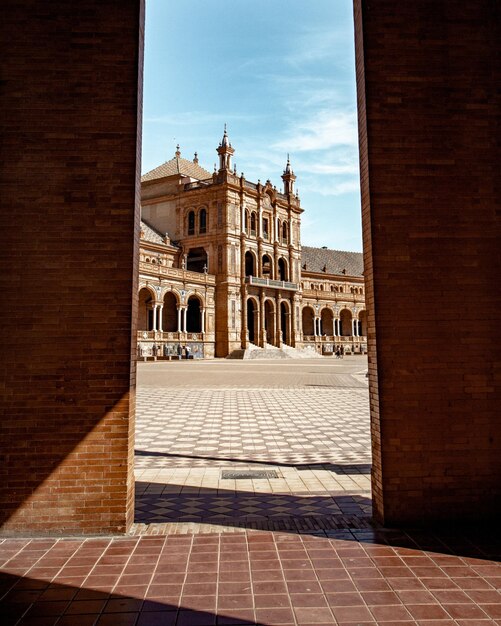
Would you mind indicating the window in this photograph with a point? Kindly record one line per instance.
(203, 221)
(253, 224)
(246, 221)
(266, 228)
(191, 223)
(284, 232)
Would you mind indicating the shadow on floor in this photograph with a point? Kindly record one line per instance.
(337, 468)
(158, 503)
(25, 600)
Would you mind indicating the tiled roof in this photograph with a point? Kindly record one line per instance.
(177, 166)
(150, 234)
(334, 261)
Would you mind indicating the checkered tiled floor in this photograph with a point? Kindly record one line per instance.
(317, 440)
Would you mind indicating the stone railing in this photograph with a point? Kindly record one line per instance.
(179, 273)
(268, 282)
(332, 295)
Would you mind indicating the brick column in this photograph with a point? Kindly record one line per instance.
(69, 218)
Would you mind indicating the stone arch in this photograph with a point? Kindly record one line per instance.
(194, 314)
(267, 266)
(269, 320)
(285, 321)
(346, 318)
(327, 322)
(250, 263)
(252, 319)
(169, 312)
(146, 300)
(282, 269)
(308, 320)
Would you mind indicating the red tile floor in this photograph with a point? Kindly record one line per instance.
(253, 577)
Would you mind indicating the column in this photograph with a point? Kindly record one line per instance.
(179, 329)
(278, 324)
(293, 323)
(160, 316)
(202, 320)
(154, 309)
(263, 319)
(185, 315)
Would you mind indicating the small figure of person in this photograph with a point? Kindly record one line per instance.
(342, 351)
(179, 351)
(187, 349)
(338, 353)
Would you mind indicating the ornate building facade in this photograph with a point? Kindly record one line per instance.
(222, 267)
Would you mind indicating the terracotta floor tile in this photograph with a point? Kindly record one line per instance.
(426, 611)
(240, 601)
(277, 600)
(351, 613)
(195, 618)
(274, 617)
(85, 606)
(390, 613)
(313, 615)
(203, 603)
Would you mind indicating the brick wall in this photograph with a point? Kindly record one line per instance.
(428, 133)
(69, 193)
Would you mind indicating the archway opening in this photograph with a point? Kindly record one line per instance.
(308, 319)
(251, 319)
(269, 321)
(327, 323)
(194, 316)
(267, 267)
(282, 269)
(197, 260)
(145, 310)
(249, 264)
(169, 313)
(346, 323)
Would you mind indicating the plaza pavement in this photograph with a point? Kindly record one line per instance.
(295, 550)
(304, 423)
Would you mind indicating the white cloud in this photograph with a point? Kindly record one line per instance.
(326, 129)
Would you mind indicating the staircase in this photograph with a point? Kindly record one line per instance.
(272, 352)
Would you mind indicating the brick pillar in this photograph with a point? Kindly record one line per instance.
(69, 218)
(428, 131)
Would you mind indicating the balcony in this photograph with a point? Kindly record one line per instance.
(268, 282)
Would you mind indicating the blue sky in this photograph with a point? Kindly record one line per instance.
(281, 75)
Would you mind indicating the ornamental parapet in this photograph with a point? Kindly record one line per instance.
(179, 273)
(268, 282)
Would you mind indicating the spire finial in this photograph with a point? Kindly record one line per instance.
(178, 151)
(195, 158)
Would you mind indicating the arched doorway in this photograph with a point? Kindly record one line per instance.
(327, 322)
(285, 322)
(194, 315)
(197, 260)
(269, 321)
(169, 313)
(346, 325)
(282, 269)
(252, 319)
(145, 310)
(250, 265)
(308, 319)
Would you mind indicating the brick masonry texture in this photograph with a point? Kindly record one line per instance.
(69, 167)
(428, 120)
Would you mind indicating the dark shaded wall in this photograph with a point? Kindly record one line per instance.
(428, 115)
(71, 82)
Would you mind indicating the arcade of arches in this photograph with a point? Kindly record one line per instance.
(237, 257)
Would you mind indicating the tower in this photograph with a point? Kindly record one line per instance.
(225, 152)
(288, 177)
